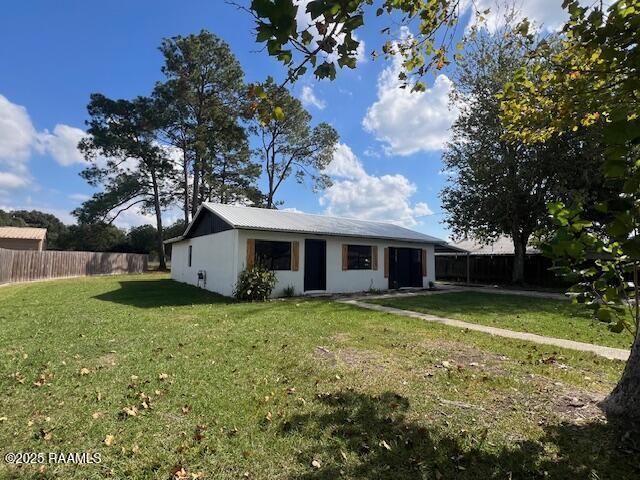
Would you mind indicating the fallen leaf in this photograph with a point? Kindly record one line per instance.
(385, 445)
(186, 409)
(316, 463)
(131, 411)
(268, 417)
(343, 455)
(180, 474)
(446, 364)
(108, 440)
(163, 376)
(84, 371)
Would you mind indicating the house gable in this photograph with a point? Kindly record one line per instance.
(207, 223)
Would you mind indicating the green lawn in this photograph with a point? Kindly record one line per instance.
(158, 377)
(553, 318)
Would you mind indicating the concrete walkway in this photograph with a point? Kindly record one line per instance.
(607, 352)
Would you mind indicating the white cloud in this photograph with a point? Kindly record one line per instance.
(78, 197)
(345, 164)
(11, 180)
(16, 134)
(62, 144)
(19, 140)
(548, 15)
(409, 122)
(309, 99)
(357, 194)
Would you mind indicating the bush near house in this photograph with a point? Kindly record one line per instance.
(255, 284)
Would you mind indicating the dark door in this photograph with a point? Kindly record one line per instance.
(405, 267)
(315, 265)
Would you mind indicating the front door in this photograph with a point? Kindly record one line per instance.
(405, 267)
(315, 265)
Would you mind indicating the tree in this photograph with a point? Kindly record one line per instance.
(142, 239)
(592, 83)
(288, 144)
(229, 175)
(8, 219)
(127, 161)
(95, 237)
(328, 41)
(202, 100)
(501, 186)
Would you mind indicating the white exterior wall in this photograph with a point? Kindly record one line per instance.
(338, 280)
(216, 254)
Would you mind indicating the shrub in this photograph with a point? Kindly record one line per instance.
(289, 291)
(255, 283)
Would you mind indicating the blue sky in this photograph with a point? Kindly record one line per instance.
(54, 54)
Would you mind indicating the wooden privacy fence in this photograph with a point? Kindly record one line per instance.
(28, 265)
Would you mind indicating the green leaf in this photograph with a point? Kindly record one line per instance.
(278, 114)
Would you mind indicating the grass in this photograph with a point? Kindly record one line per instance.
(553, 318)
(288, 389)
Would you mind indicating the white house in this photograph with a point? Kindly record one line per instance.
(311, 253)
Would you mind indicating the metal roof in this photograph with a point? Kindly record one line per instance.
(251, 218)
(502, 246)
(23, 233)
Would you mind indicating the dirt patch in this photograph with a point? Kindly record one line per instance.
(462, 355)
(577, 405)
(107, 360)
(326, 355)
(351, 357)
(341, 337)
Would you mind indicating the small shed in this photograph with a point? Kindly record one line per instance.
(23, 238)
(309, 253)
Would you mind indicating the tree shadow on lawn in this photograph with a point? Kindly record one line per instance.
(356, 424)
(161, 292)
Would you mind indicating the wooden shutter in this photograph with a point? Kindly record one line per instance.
(374, 257)
(251, 252)
(424, 262)
(345, 257)
(386, 262)
(295, 256)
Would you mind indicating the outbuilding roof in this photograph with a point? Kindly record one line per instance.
(23, 233)
(251, 218)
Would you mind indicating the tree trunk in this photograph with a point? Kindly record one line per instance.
(156, 205)
(519, 254)
(196, 186)
(185, 180)
(624, 400)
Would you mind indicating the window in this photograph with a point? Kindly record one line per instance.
(190, 253)
(273, 255)
(359, 257)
